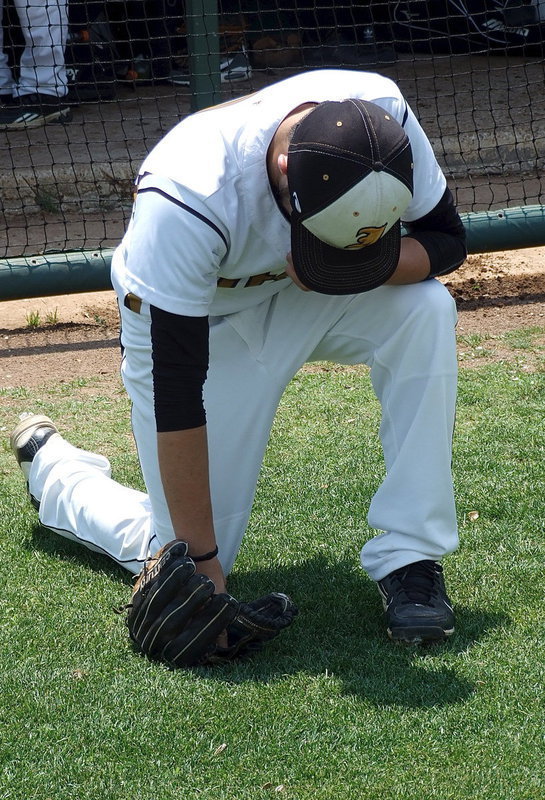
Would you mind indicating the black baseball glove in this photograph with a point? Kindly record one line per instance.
(255, 624)
(176, 617)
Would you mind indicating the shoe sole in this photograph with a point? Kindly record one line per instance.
(419, 635)
(63, 116)
(33, 421)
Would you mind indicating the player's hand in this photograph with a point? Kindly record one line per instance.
(413, 265)
(213, 570)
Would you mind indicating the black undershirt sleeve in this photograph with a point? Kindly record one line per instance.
(441, 232)
(180, 363)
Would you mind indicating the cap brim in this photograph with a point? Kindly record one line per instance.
(332, 270)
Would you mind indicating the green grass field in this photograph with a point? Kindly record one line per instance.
(331, 710)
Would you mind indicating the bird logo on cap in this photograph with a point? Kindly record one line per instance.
(366, 237)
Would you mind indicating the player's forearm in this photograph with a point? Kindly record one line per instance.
(183, 463)
(413, 265)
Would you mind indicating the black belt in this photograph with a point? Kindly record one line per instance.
(132, 302)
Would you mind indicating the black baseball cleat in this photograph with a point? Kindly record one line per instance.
(33, 431)
(417, 607)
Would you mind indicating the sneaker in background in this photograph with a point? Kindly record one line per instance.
(234, 67)
(33, 111)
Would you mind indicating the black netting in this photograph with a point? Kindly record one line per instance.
(472, 71)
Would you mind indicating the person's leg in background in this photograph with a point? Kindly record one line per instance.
(44, 26)
(7, 84)
(41, 85)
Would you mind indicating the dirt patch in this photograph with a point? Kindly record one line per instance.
(496, 294)
(58, 339)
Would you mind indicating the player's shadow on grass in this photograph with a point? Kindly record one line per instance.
(339, 634)
(67, 550)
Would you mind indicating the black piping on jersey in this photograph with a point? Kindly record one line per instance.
(186, 208)
(405, 116)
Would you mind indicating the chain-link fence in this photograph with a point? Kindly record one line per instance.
(473, 71)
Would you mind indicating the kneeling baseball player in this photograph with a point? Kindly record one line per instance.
(266, 233)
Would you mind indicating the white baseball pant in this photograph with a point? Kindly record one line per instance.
(44, 25)
(405, 334)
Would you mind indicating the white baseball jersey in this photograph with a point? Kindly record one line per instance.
(212, 214)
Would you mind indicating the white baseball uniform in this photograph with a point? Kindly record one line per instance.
(205, 213)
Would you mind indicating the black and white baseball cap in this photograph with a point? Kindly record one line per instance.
(350, 177)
